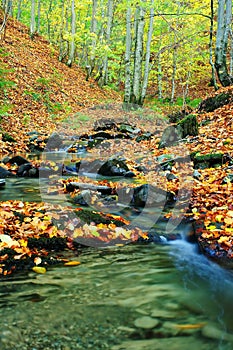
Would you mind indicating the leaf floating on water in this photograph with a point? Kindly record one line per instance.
(72, 263)
(191, 326)
(39, 269)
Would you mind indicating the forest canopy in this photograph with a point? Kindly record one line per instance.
(161, 48)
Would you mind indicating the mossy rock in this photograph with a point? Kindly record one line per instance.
(207, 160)
(177, 116)
(7, 137)
(89, 216)
(212, 103)
(188, 126)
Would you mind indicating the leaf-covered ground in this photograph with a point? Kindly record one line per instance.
(47, 96)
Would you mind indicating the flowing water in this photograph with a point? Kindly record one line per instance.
(139, 297)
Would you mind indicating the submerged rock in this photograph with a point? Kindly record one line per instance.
(146, 322)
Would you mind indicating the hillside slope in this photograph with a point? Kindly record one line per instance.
(44, 89)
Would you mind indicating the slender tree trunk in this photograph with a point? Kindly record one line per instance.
(231, 53)
(19, 10)
(160, 77)
(33, 20)
(213, 76)
(38, 16)
(137, 75)
(4, 21)
(108, 35)
(62, 54)
(127, 94)
(147, 59)
(91, 65)
(174, 68)
(223, 29)
(73, 32)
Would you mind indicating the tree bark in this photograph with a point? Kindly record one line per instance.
(33, 20)
(19, 10)
(138, 58)
(127, 95)
(108, 35)
(38, 16)
(223, 30)
(213, 71)
(147, 59)
(94, 35)
(73, 31)
(5, 18)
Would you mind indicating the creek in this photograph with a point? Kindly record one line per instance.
(139, 297)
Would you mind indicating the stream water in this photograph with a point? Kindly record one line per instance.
(139, 297)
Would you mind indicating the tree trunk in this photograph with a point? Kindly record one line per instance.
(62, 51)
(73, 31)
(38, 16)
(33, 20)
(174, 67)
(127, 95)
(223, 29)
(213, 77)
(108, 35)
(91, 65)
(138, 58)
(160, 76)
(19, 10)
(147, 59)
(4, 21)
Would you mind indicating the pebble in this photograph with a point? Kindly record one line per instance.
(146, 322)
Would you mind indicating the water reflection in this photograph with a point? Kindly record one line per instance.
(102, 304)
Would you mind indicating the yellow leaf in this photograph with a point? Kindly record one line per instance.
(218, 218)
(27, 219)
(229, 229)
(191, 326)
(23, 242)
(72, 263)
(78, 232)
(211, 228)
(39, 269)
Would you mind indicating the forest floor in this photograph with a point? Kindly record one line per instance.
(41, 95)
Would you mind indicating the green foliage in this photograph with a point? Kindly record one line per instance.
(5, 83)
(26, 120)
(36, 96)
(4, 110)
(82, 117)
(44, 82)
(179, 36)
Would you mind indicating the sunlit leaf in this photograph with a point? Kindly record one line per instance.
(39, 269)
